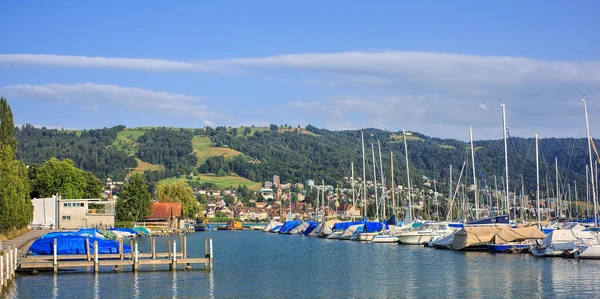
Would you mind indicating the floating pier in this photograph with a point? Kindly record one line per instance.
(118, 260)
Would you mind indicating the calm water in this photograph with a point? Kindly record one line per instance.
(253, 264)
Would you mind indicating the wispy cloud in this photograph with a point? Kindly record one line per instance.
(93, 95)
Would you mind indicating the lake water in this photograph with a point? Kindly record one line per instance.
(253, 264)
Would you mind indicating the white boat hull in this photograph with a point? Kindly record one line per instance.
(335, 235)
(589, 252)
(414, 239)
(384, 239)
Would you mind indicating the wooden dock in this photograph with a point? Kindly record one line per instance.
(95, 260)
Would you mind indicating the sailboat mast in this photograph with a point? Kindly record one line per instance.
(587, 191)
(393, 188)
(375, 183)
(323, 201)
(364, 175)
(557, 190)
(505, 159)
(382, 181)
(476, 216)
(522, 199)
(450, 191)
(587, 126)
(537, 169)
(408, 178)
(576, 206)
(353, 197)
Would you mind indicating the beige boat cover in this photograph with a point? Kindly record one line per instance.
(475, 236)
(325, 228)
(518, 234)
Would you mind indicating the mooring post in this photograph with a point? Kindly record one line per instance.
(10, 265)
(87, 248)
(131, 249)
(210, 245)
(96, 256)
(16, 261)
(153, 247)
(136, 260)
(55, 256)
(174, 260)
(169, 247)
(187, 265)
(206, 253)
(121, 248)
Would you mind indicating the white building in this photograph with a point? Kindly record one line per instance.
(78, 213)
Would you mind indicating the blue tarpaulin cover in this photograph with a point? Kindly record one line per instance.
(74, 245)
(340, 226)
(371, 227)
(288, 226)
(311, 226)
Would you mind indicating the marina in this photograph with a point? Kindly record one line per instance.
(325, 268)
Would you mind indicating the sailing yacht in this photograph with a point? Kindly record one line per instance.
(425, 233)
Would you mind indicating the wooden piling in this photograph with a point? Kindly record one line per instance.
(210, 259)
(169, 248)
(121, 248)
(55, 253)
(87, 248)
(136, 260)
(131, 248)
(153, 247)
(184, 245)
(174, 260)
(16, 255)
(10, 266)
(96, 256)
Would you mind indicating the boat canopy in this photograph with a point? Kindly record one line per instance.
(518, 234)
(288, 226)
(75, 245)
(142, 230)
(325, 228)
(124, 230)
(567, 236)
(392, 220)
(299, 228)
(311, 227)
(475, 236)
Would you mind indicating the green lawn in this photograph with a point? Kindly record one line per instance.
(221, 182)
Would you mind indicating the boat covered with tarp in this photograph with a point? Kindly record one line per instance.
(515, 240)
(126, 232)
(324, 229)
(312, 225)
(72, 244)
(475, 238)
(288, 226)
(562, 242)
(299, 228)
(142, 230)
(272, 224)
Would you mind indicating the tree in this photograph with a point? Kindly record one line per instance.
(247, 131)
(61, 177)
(135, 201)
(16, 210)
(228, 199)
(178, 192)
(93, 188)
(274, 127)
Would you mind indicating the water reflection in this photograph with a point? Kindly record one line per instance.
(96, 286)
(174, 287)
(136, 285)
(211, 284)
(55, 286)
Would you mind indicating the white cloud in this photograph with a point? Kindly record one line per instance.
(93, 96)
(431, 92)
(141, 64)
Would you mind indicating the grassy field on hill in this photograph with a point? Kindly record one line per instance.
(220, 181)
(127, 140)
(203, 149)
(145, 166)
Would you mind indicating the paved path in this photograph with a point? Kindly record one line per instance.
(25, 240)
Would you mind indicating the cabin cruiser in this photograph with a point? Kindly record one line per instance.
(424, 234)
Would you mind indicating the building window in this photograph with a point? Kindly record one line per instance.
(66, 217)
(64, 204)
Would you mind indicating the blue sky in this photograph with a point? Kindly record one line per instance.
(429, 66)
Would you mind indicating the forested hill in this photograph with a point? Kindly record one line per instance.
(296, 154)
